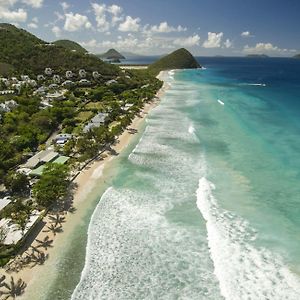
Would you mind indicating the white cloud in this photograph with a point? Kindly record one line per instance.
(228, 43)
(75, 22)
(99, 11)
(34, 3)
(214, 40)
(56, 30)
(19, 15)
(33, 25)
(187, 42)
(163, 27)
(267, 48)
(114, 9)
(65, 5)
(247, 34)
(130, 24)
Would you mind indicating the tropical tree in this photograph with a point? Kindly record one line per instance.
(52, 186)
(13, 289)
(45, 243)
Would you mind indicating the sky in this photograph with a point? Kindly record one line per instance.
(205, 27)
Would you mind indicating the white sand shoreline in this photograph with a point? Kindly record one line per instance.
(90, 177)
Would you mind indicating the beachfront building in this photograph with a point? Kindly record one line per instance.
(14, 234)
(97, 121)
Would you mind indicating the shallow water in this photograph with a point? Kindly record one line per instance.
(206, 206)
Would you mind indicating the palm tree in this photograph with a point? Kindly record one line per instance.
(45, 243)
(54, 229)
(38, 259)
(13, 289)
(2, 283)
(57, 219)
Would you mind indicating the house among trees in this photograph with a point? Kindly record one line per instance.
(40, 77)
(67, 83)
(96, 75)
(69, 74)
(56, 78)
(62, 138)
(48, 71)
(84, 82)
(95, 122)
(82, 73)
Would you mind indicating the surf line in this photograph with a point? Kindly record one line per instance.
(221, 102)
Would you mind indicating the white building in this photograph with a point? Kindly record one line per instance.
(69, 74)
(96, 74)
(82, 73)
(56, 78)
(48, 71)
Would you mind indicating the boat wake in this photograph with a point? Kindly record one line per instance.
(243, 270)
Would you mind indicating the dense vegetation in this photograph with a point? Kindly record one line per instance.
(111, 54)
(179, 59)
(70, 45)
(30, 55)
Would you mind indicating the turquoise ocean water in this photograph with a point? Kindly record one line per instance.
(207, 205)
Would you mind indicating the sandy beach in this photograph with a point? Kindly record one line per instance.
(90, 177)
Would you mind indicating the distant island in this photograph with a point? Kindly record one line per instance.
(111, 55)
(297, 56)
(70, 45)
(179, 59)
(257, 55)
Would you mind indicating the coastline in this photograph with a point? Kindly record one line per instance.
(87, 180)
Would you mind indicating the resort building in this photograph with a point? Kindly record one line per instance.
(62, 138)
(48, 71)
(56, 78)
(82, 73)
(96, 74)
(95, 122)
(69, 74)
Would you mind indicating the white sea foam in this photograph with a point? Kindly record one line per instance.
(191, 129)
(243, 270)
(254, 84)
(221, 102)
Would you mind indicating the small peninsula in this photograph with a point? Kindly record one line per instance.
(179, 59)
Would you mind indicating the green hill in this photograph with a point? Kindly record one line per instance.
(297, 56)
(179, 59)
(27, 54)
(111, 54)
(73, 46)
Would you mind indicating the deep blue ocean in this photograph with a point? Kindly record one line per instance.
(206, 205)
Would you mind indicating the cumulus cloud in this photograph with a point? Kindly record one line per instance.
(32, 25)
(65, 5)
(188, 41)
(130, 24)
(19, 15)
(227, 43)
(56, 30)
(75, 22)
(107, 16)
(34, 3)
(266, 48)
(246, 34)
(163, 27)
(214, 40)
